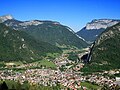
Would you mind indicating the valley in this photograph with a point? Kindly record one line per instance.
(65, 72)
(60, 70)
(46, 55)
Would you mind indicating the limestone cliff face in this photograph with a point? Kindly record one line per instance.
(101, 23)
(94, 28)
(109, 33)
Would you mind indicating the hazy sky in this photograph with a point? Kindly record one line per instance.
(73, 13)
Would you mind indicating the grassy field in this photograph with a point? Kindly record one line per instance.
(38, 64)
(52, 56)
(90, 86)
(45, 64)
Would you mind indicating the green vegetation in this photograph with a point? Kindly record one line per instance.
(46, 64)
(52, 56)
(17, 45)
(37, 64)
(52, 33)
(62, 68)
(73, 56)
(90, 86)
(27, 86)
(106, 53)
(90, 68)
(2, 64)
(55, 34)
(117, 75)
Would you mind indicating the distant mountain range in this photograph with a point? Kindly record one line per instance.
(48, 31)
(106, 51)
(93, 29)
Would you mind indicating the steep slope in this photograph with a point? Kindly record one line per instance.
(93, 29)
(48, 31)
(18, 45)
(106, 52)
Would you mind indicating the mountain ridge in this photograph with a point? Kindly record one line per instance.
(5, 18)
(105, 54)
(48, 31)
(95, 28)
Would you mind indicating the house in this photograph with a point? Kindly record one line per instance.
(117, 78)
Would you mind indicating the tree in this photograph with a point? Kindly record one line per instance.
(4, 86)
(105, 87)
(13, 87)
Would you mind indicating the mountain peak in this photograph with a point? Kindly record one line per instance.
(101, 23)
(6, 17)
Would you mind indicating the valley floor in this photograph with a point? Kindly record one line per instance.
(59, 71)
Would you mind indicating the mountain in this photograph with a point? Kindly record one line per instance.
(5, 18)
(17, 45)
(48, 31)
(93, 29)
(106, 51)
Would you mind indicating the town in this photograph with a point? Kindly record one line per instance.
(69, 75)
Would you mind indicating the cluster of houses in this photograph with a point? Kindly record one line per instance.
(102, 80)
(43, 76)
(70, 78)
(53, 77)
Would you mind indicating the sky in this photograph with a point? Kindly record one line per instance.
(73, 13)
